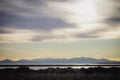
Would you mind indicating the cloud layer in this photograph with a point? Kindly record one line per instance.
(50, 20)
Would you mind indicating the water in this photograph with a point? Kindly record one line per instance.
(45, 67)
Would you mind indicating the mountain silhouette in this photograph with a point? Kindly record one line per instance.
(64, 60)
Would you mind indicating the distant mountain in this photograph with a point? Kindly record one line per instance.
(72, 60)
(22, 61)
(6, 61)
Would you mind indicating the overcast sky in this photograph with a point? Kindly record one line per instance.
(60, 22)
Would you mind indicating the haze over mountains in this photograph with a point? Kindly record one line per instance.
(71, 60)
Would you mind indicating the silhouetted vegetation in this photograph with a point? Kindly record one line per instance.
(24, 73)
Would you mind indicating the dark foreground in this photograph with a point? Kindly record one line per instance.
(24, 73)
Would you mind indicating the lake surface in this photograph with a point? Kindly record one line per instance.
(66, 65)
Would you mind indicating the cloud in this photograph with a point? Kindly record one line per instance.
(20, 7)
(42, 38)
(29, 15)
(43, 23)
(27, 8)
(90, 34)
(58, 19)
(6, 31)
(4, 19)
(113, 21)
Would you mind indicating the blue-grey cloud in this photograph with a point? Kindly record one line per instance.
(41, 38)
(90, 34)
(35, 16)
(34, 23)
(27, 7)
(35, 2)
(10, 16)
(47, 37)
(113, 20)
(5, 31)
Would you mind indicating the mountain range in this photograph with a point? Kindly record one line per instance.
(71, 60)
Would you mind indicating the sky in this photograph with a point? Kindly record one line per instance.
(59, 29)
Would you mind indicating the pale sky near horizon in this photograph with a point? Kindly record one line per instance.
(59, 29)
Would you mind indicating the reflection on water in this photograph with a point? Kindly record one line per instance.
(45, 67)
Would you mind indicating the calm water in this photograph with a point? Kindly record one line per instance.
(39, 67)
